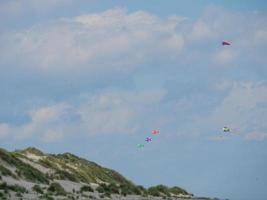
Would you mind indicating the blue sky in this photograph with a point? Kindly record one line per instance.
(94, 78)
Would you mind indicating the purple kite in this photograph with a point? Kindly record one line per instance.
(225, 43)
(148, 139)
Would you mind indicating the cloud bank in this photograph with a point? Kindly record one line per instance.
(204, 82)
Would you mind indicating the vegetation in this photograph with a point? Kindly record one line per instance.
(23, 169)
(46, 197)
(60, 174)
(6, 172)
(162, 190)
(86, 188)
(159, 190)
(153, 191)
(131, 189)
(141, 190)
(18, 194)
(32, 174)
(31, 150)
(100, 189)
(57, 189)
(112, 188)
(14, 188)
(70, 167)
(177, 190)
(37, 189)
(1, 195)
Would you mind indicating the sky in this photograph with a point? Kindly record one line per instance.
(95, 77)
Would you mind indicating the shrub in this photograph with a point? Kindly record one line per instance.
(1, 194)
(57, 189)
(60, 174)
(177, 190)
(86, 188)
(18, 194)
(113, 189)
(100, 189)
(31, 173)
(37, 189)
(6, 172)
(15, 188)
(153, 191)
(163, 189)
(24, 169)
(107, 194)
(47, 197)
(129, 189)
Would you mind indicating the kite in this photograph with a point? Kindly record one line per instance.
(155, 132)
(148, 139)
(225, 43)
(226, 129)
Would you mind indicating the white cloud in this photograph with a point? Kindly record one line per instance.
(225, 56)
(117, 113)
(41, 119)
(109, 112)
(245, 31)
(119, 41)
(114, 40)
(244, 109)
(201, 31)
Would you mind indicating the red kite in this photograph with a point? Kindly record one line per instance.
(155, 132)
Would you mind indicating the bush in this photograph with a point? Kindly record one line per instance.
(3, 186)
(24, 169)
(37, 189)
(126, 189)
(163, 189)
(176, 190)
(15, 188)
(113, 189)
(60, 174)
(18, 194)
(6, 172)
(86, 188)
(107, 194)
(1, 194)
(32, 174)
(100, 189)
(57, 189)
(47, 197)
(153, 191)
